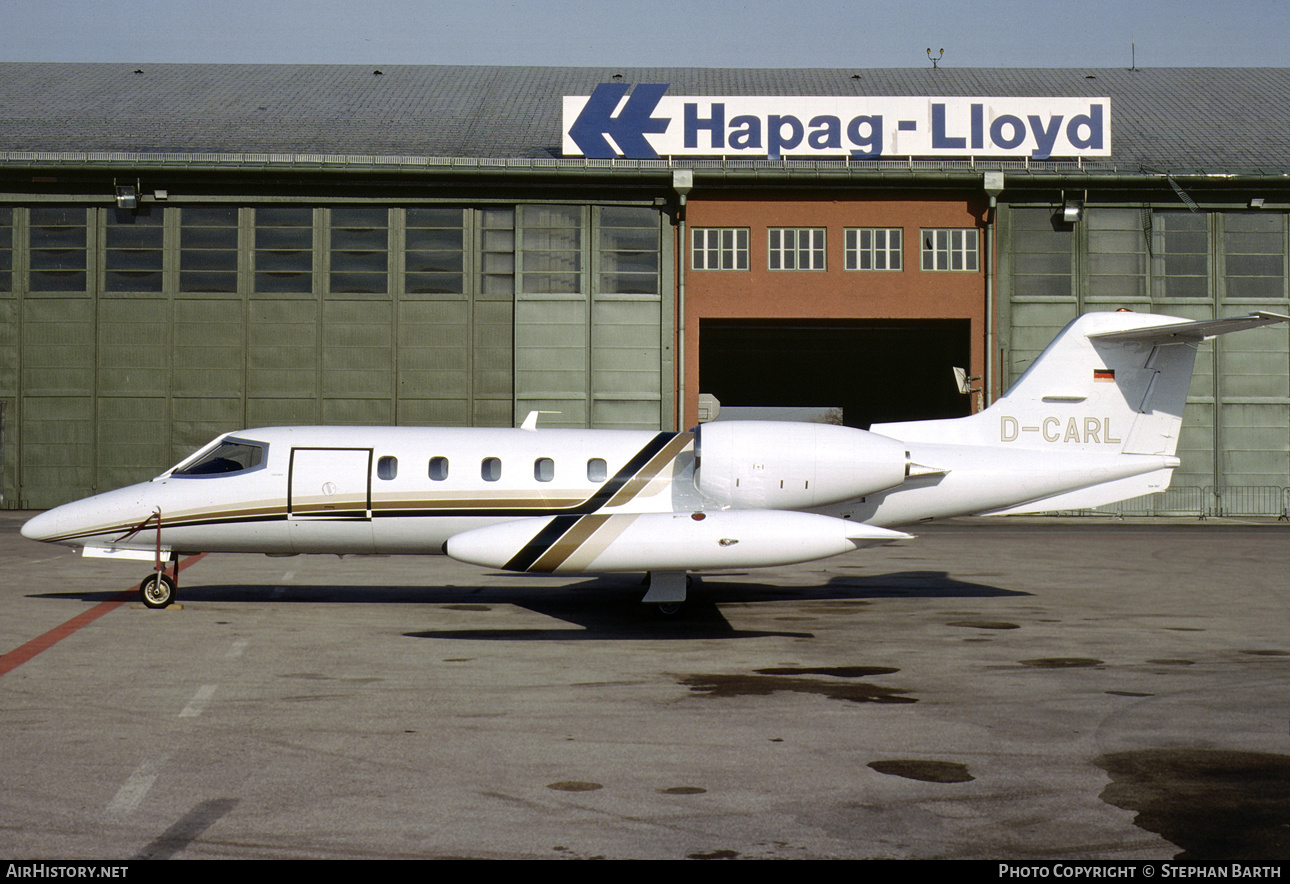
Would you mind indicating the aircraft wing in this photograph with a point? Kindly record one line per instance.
(1198, 330)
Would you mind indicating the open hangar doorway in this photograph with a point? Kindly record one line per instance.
(876, 371)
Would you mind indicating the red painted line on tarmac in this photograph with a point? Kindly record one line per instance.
(41, 643)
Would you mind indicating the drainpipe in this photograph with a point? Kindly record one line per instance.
(993, 187)
(682, 183)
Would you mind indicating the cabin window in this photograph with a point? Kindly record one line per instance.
(491, 469)
(597, 470)
(387, 467)
(438, 468)
(227, 457)
(544, 469)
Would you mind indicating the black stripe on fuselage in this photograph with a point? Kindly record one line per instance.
(625, 475)
(561, 525)
(545, 539)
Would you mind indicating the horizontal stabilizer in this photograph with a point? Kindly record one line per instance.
(1199, 330)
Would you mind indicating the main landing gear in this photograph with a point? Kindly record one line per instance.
(159, 588)
(666, 590)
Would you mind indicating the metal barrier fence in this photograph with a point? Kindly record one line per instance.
(1193, 500)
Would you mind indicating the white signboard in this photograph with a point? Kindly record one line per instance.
(647, 124)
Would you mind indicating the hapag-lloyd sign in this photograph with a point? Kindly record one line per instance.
(648, 124)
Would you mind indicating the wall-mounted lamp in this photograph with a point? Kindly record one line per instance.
(1256, 203)
(1072, 209)
(127, 195)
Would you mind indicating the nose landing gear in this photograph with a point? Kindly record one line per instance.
(158, 590)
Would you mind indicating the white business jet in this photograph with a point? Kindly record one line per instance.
(1095, 419)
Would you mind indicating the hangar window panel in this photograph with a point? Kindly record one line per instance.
(1041, 253)
(719, 248)
(795, 248)
(1180, 254)
(434, 251)
(873, 248)
(133, 242)
(552, 247)
(359, 249)
(6, 249)
(951, 249)
(629, 250)
(284, 256)
(1254, 254)
(497, 252)
(58, 237)
(1117, 253)
(208, 249)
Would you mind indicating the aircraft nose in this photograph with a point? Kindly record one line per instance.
(44, 526)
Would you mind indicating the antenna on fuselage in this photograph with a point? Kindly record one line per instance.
(530, 422)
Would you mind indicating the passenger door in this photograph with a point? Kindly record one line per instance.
(329, 502)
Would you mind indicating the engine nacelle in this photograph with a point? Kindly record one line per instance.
(789, 466)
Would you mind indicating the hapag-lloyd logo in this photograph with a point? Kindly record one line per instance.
(648, 124)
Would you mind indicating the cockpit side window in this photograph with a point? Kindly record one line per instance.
(230, 456)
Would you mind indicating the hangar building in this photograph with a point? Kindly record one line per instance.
(191, 249)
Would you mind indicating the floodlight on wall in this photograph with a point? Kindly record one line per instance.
(127, 196)
(1256, 203)
(1072, 209)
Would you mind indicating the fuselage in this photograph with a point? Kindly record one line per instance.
(365, 490)
(408, 490)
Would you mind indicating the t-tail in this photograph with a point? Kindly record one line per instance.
(1110, 385)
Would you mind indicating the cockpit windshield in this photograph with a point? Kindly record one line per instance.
(230, 456)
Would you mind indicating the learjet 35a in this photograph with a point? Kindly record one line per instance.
(1095, 419)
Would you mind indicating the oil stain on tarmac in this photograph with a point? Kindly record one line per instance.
(574, 786)
(1218, 806)
(797, 680)
(1061, 662)
(926, 771)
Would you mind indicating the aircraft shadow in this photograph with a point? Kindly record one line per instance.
(601, 607)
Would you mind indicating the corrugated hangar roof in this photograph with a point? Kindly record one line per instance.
(1182, 119)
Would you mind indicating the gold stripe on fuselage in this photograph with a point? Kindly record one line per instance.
(568, 543)
(646, 474)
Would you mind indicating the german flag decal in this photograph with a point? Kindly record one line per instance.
(1104, 375)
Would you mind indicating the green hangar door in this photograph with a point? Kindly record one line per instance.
(874, 371)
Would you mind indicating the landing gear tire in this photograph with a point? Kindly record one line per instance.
(669, 609)
(157, 591)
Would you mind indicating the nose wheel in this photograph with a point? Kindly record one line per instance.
(158, 589)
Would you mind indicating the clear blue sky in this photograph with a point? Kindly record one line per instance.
(672, 33)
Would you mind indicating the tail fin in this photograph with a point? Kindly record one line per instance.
(1108, 383)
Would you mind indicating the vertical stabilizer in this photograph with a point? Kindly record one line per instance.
(1108, 383)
